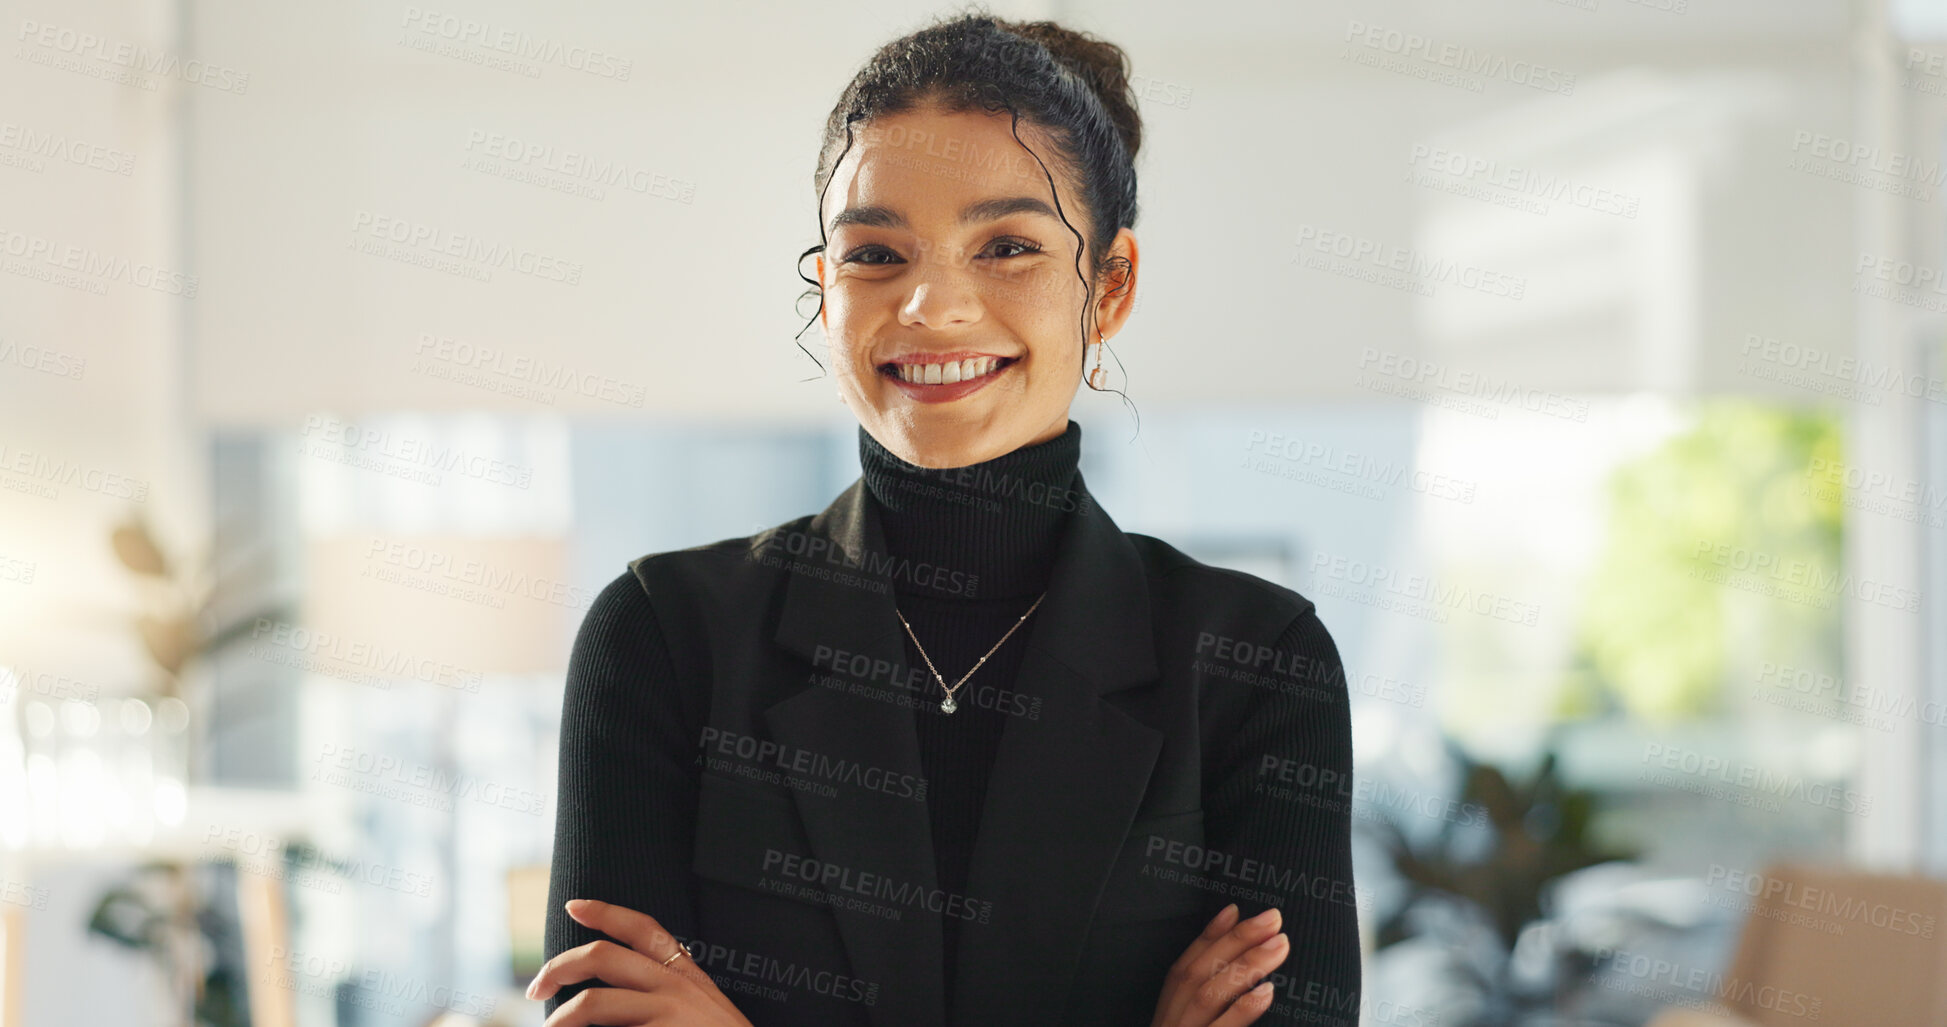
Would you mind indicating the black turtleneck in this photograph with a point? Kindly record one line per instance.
(630, 759)
(999, 518)
(998, 522)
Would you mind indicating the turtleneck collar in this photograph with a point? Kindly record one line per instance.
(999, 520)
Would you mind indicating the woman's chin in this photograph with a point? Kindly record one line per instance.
(953, 442)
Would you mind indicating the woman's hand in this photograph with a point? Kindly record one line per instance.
(1204, 984)
(647, 993)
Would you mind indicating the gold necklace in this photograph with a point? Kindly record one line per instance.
(947, 705)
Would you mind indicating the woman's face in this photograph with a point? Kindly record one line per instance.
(944, 258)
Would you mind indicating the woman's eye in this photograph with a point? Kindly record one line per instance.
(1009, 248)
(1022, 245)
(858, 256)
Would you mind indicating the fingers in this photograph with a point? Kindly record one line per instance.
(609, 1005)
(642, 942)
(1248, 1007)
(1225, 919)
(615, 964)
(1233, 944)
(1230, 981)
(1206, 982)
(637, 930)
(644, 935)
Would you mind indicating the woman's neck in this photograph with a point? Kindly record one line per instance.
(988, 530)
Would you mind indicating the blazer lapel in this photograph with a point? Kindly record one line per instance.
(862, 833)
(1063, 791)
(1065, 787)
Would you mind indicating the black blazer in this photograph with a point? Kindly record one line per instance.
(1163, 703)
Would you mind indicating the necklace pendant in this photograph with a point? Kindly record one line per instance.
(947, 705)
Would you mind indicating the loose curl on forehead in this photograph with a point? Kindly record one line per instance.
(1073, 86)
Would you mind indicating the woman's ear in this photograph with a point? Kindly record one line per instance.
(821, 289)
(1118, 296)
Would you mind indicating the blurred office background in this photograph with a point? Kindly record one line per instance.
(1623, 489)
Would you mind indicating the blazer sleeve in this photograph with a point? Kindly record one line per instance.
(1280, 794)
(626, 807)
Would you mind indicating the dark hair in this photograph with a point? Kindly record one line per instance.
(1073, 85)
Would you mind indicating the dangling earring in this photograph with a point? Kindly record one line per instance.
(1096, 376)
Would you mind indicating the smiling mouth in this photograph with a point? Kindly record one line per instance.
(947, 373)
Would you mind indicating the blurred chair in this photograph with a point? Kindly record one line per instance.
(1888, 968)
(527, 914)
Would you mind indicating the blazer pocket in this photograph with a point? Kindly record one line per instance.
(1145, 883)
(741, 824)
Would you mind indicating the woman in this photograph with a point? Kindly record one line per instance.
(957, 749)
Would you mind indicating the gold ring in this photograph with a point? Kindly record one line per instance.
(681, 951)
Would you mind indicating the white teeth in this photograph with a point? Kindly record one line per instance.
(948, 373)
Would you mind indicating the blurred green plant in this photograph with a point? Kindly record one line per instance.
(160, 912)
(1748, 481)
(1540, 830)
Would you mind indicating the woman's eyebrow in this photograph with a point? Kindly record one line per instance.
(876, 216)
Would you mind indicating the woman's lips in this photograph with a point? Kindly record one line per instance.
(947, 393)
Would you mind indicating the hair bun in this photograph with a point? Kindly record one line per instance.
(1100, 63)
